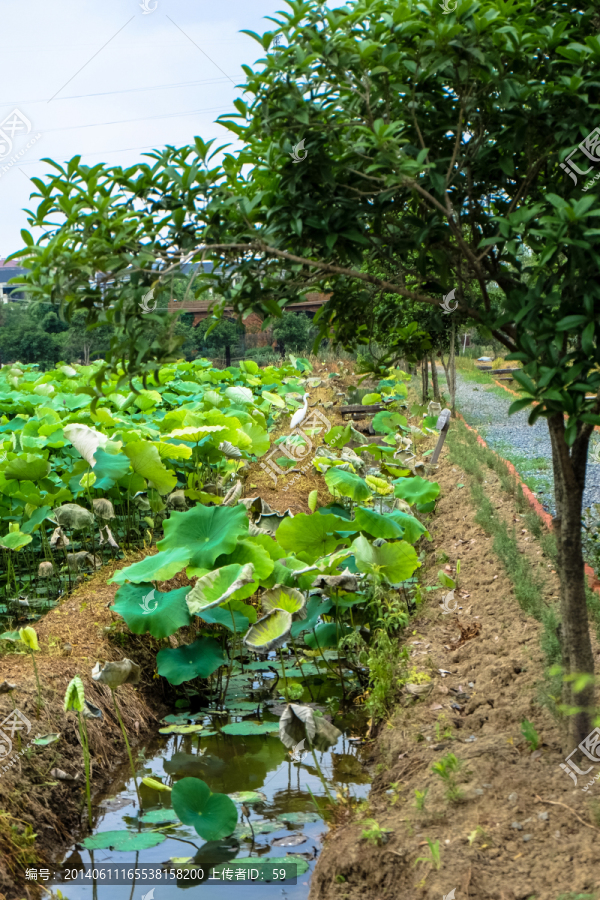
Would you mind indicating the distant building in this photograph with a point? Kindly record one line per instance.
(255, 336)
(8, 271)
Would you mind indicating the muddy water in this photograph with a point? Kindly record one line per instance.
(228, 764)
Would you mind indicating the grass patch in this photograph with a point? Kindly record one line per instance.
(527, 584)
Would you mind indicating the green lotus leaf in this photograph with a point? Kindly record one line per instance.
(36, 519)
(172, 451)
(216, 587)
(145, 400)
(313, 535)
(15, 540)
(270, 544)
(214, 816)
(412, 527)
(251, 728)
(338, 436)
(347, 485)
(259, 438)
(298, 818)
(270, 632)
(378, 451)
(197, 660)
(315, 608)
(250, 552)
(27, 468)
(180, 729)
(109, 468)
(239, 394)
(228, 618)
(231, 426)
(386, 422)
(416, 490)
(395, 562)
(69, 371)
(145, 460)
(282, 597)
(377, 525)
(123, 841)
(274, 399)
(148, 610)
(195, 433)
(327, 634)
(158, 816)
(160, 567)
(369, 399)
(208, 532)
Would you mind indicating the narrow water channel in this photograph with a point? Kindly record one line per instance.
(278, 792)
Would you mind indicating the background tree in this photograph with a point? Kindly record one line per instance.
(292, 332)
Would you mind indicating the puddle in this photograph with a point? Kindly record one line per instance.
(228, 764)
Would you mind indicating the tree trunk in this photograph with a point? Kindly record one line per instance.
(227, 355)
(577, 658)
(434, 378)
(425, 378)
(450, 369)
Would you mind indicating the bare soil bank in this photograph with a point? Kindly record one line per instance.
(522, 830)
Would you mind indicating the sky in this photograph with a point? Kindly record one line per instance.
(109, 81)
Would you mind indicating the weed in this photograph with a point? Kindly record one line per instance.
(530, 734)
(394, 792)
(17, 843)
(374, 833)
(434, 855)
(447, 768)
(384, 660)
(442, 558)
(420, 797)
(442, 723)
(477, 835)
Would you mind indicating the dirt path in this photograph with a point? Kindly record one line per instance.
(511, 835)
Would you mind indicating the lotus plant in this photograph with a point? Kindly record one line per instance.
(75, 700)
(29, 637)
(114, 674)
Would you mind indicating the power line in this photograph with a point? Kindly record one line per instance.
(92, 57)
(192, 112)
(157, 87)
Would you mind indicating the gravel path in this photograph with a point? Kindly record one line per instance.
(526, 446)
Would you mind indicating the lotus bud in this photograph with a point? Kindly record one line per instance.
(29, 637)
(155, 785)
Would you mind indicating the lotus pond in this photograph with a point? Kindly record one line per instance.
(85, 475)
(267, 628)
(283, 796)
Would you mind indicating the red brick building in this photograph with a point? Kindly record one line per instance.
(255, 336)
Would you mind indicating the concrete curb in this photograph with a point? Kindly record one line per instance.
(593, 581)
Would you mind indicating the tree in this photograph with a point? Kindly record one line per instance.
(434, 152)
(292, 331)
